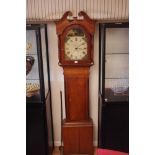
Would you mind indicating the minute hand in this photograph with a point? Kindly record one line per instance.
(79, 45)
(80, 48)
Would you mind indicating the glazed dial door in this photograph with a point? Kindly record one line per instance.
(76, 45)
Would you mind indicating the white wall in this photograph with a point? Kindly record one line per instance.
(57, 84)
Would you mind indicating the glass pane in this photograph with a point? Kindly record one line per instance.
(116, 90)
(31, 44)
(33, 90)
(117, 66)
(45, 70)
(32, 71)
(117, 40)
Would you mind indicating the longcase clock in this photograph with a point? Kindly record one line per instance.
(75, 38)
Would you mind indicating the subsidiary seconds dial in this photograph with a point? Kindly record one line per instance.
(76, 45)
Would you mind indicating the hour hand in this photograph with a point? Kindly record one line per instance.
(80, 48)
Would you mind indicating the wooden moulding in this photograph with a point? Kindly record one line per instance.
(76, 72)
(88, 24)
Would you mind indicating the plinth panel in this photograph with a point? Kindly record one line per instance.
(78, 137)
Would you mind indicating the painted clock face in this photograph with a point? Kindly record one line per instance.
(76, 45)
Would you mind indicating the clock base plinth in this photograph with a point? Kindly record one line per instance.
(78, 137)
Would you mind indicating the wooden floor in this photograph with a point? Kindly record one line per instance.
(57, 151)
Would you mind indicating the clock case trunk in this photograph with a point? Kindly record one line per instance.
(76, 93)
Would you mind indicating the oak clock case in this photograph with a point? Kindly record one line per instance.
(39, 127)
(75, 38)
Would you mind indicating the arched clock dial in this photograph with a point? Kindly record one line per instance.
(76, 45)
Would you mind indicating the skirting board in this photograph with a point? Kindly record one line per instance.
(58, 143)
